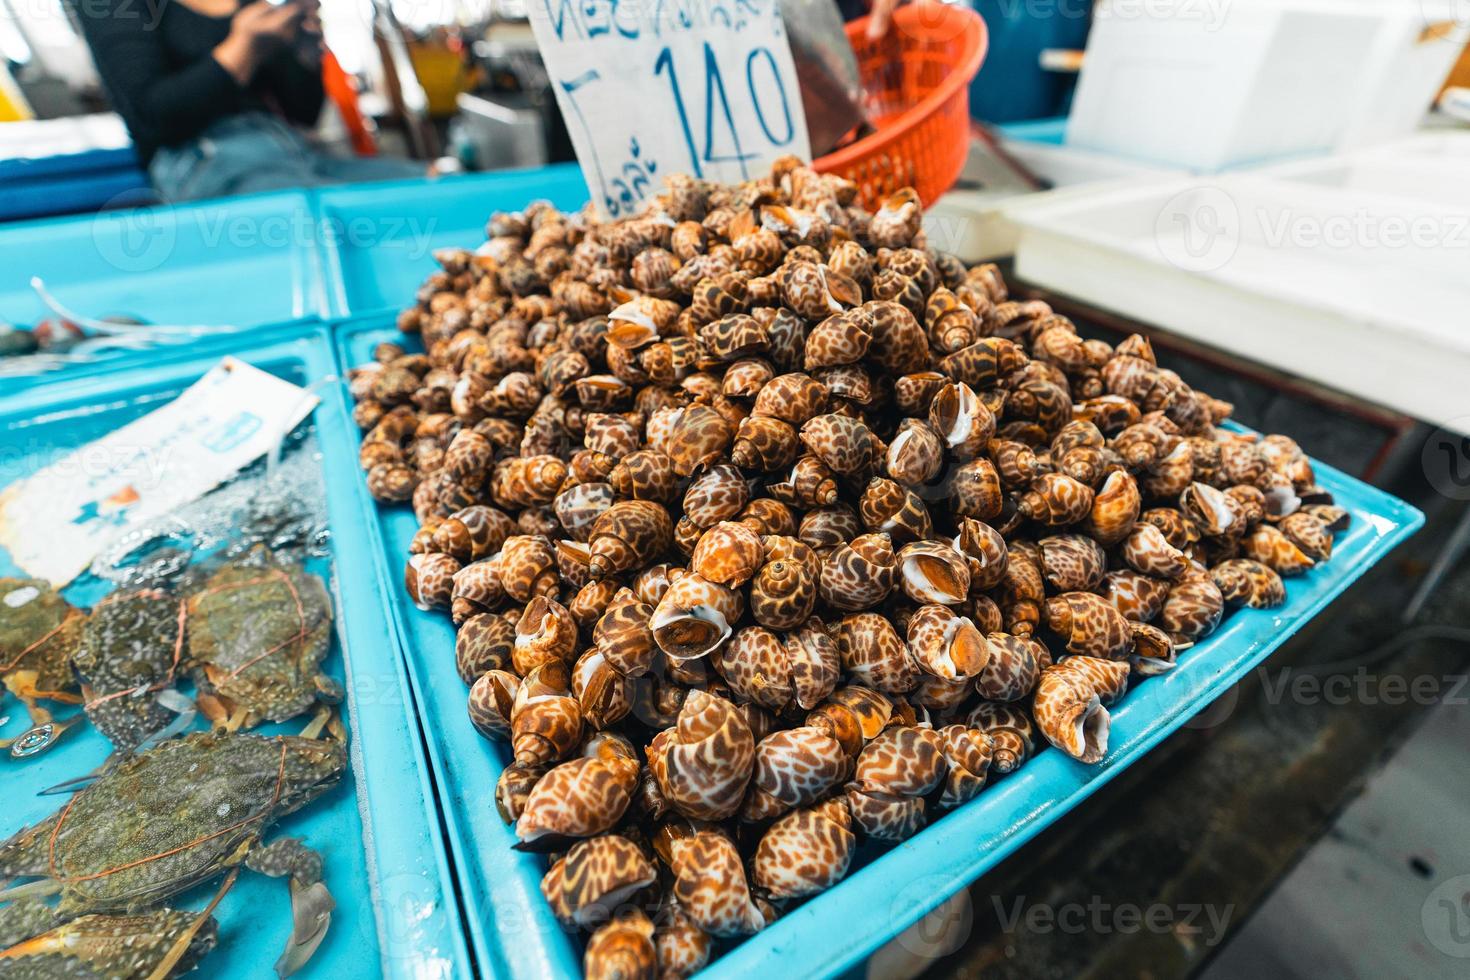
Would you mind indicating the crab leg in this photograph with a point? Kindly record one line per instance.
(311, 902)
(181, 945)
(31, 889)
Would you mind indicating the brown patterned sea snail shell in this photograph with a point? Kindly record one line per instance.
(1146, 550)
(1115, 509)
(703, 763)
(477, 588)
(814, 663)
(806, 851)
(853, 715)
(1137, 596)
(916, 454)
(1071, 705)
(728, 554)
(484, 642)
(844, 443)
(546, 721)
(492, 697)
(623, 635)
(783, 594)
(627, 535)
(1088, 624)
(1013, 669)
(933, 572)
(946, 645)
(975, 490)
(1153, 651)
(874, 655)
(545, 632)
(694, 617)
(860, 574)
(1072, 562)
(1246, 582)
(682, 948)
(969, 753)
(961, 420)
(764, 444)
(710, 885)
(473, 532)
(581, 798)
(895, 510)
(1010, 727)
(792, 398)
(527, 567)
(718, 494)
(1193, 608)
(597, 876)
(808, 484)
(429, 579)
(1056, 499)
(754, 664)
(984, 549)
(793, 767)
(895, 771)
(621, 948)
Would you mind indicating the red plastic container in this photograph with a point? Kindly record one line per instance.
(916, 82)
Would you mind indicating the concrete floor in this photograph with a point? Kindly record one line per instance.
(1387, 892)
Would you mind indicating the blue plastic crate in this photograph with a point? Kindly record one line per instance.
(386, 860)
(513, 930)
(252, 262)
(378, 239)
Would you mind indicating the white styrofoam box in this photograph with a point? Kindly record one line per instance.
(1362, 293)
(1413, 52)
(971, 221)
(1210, 84)
(1384, 175)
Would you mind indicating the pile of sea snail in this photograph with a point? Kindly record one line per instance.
(767, 528)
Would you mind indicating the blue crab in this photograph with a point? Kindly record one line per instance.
(181, 813)
(36, 942)
(39, 631)
(257, 634)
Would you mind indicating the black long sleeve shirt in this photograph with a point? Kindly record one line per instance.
(156, 61)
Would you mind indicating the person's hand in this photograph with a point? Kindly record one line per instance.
(880, 18)
(256, 30)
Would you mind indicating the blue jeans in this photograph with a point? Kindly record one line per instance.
(256, 151)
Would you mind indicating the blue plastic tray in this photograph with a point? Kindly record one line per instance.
(386, 863)
(513, 929)
(378, 239)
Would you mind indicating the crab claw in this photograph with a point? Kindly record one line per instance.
(311, 914)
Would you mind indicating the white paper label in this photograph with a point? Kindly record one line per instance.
(54, 521)
(655, 87)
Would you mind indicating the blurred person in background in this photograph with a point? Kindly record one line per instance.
(213, 93)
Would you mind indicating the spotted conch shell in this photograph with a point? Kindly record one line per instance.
(703, 763)
(805, 852)
(793, 767)
(621, 948)
(710, 885)
(581, 798)
(1072, 700)
(894, 773)
(596, 876)
(945, 644)
(1089, 624)
(694, 617)
(628, 535)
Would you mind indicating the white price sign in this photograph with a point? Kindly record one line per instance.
(653, 87)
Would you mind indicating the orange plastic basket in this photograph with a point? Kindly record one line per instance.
(916, 90)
